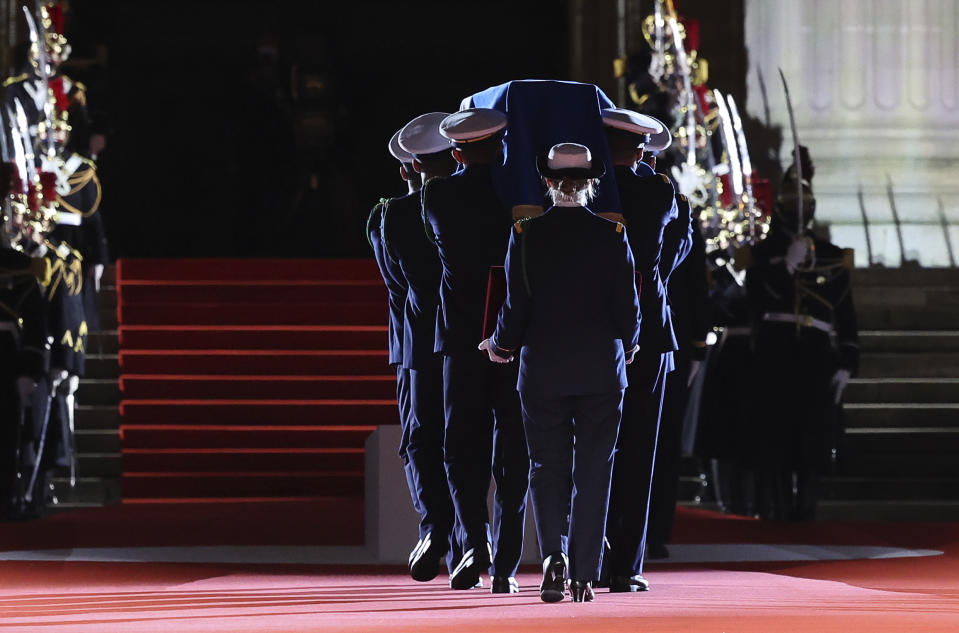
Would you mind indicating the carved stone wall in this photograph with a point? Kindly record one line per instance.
(875, 87)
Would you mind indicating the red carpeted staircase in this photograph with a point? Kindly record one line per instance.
(250, 379)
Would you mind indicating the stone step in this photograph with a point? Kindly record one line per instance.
(906, 276)
(99, 391)
(902, 390)
(102, 367)
(892, 464)
(888, 510)
(908, 417)
(886, 341)
(89, 492)
(104, 342)
(885, 317)
(869, 297)
(909, 365)
(107, 465)
(885, 488)
(898, 440)
(98, 441)
(98, 417)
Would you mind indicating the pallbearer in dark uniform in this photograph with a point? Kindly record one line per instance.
(406, 243)
(78, 197)
(648, 206)
(688, 298)
(470, 226)
(25, 362)
(572, 315)
(800, 293)
(397, 289)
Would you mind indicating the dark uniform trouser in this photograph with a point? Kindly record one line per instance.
(635, 459)
(662, 501)
(403, 400)
(484, 429)
(425, 450)
(9, 418)
(571, 444)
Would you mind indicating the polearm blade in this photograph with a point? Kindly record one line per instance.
(26, 148)
(945, 233)
(683, 63)
(895, 219)
(38, 37)
(730, 144)
(796, 161)
(865, 225)
(747, 165)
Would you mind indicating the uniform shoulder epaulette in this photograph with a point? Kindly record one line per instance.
(521, 223)
(612, 216)
(682, 199)
(9, 81)
(665, 179)
(89, 163)
(374, 219)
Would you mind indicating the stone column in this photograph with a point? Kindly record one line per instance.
(875, 87)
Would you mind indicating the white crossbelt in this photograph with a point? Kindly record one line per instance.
(70, 219)
(804, 320)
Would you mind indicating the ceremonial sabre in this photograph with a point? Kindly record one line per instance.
(796, 161)
(38, 37)
(747, 165)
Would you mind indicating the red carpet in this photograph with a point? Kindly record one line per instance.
(902, 595)
(250, 378)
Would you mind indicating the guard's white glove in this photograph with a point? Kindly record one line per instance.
(97, 276)
(796, 255)
(485, 346)
(694, 366)
(839, 381)
(25, 387)
(631, 354)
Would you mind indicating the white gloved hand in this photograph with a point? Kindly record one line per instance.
(485, 346)
(631, 354)
(796, 255)
(25, 387)
(694, 366)
(97, 276)
(839, 381)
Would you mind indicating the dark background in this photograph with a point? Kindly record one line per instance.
(260, 128)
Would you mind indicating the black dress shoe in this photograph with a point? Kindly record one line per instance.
(581, 591)
(628, 584)
(425, 559)
(504, 584)
(553, 587)
(468, 571)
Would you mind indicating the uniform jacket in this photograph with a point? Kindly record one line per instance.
(823, 293)
(407, 244)
(688, 292)
(648, 206)
(571, 303)
(678, 237)
(393, 278)
(471, 227)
